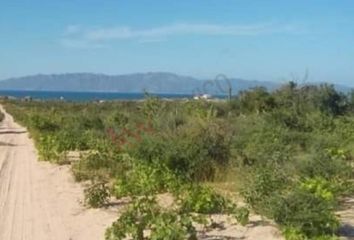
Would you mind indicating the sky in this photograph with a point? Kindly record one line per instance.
(271, 40)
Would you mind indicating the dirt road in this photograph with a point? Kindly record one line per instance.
(38, 200)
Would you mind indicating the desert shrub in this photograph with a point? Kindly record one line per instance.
(256, 141)
(73, 139)
(118, 119)
(309, 214)
(152, 106)
(195, 152)
(172, 121)
(321, 188)
(43, 123)
(289, 119)
(320, 122)
(204, 200)
(143, 179)
(295, 234)
(145, 214)
(101, 165)
(263, 185)
(198, 151)
(241, 214)
(201, 110)
(327, 166)
(90, 122)
(256, 100)
(97, 195)
(149, 149)
(48, 147)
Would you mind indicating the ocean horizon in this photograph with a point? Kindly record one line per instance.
(90, 96)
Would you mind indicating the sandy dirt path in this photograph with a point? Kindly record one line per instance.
(39, 200)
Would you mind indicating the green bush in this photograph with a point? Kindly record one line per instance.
(198, 151)
(43, 123)
(97, 195)
(145, 214)
(144, 179)
(48, 147)
(203, 200)
(310, 215)
(104, 164)
(195, 152)
(263, 186)
(320, 187)
(326, 166)
(149, 149)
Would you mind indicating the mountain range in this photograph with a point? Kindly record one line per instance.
(153, 82)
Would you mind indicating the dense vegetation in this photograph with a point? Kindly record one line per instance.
(288, 154)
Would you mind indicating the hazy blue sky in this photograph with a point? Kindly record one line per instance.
(264, 39)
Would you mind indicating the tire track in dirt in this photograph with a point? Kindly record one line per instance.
(39, 200)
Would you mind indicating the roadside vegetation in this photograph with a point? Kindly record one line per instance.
(2, 116)
(286, 154)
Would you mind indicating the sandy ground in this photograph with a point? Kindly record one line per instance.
(38, 200)
(41, 201)
(346, 216)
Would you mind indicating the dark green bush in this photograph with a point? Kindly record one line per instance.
(326, 166)
(195, 152)
(43, 123)
(263, 186)
(198, 151)
(311, 215)
(97, 195)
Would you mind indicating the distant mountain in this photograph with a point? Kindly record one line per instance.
(156, 82)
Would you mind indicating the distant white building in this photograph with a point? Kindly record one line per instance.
(203, 96)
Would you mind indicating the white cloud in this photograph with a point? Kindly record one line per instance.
(80, 43)
(72, 29)
(99, 36)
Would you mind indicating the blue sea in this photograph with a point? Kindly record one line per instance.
(87, 96)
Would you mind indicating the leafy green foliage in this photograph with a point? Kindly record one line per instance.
(200, 199)
(319, 187)
(145, 214)
(143, 179)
